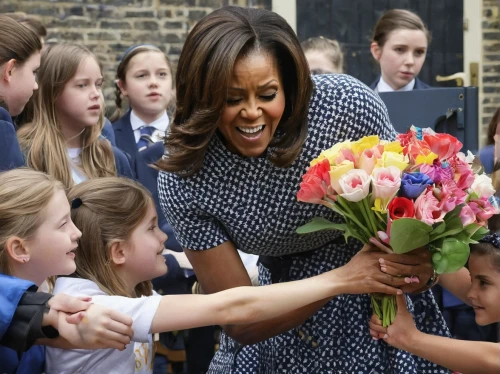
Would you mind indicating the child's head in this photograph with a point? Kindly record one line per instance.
(31, 23)
(144, 76)
(324, 56)
(484, 267)
(399, 43)
(37, 236)
(121, 246)
(493, 127)
(68, 113)
(19, 62)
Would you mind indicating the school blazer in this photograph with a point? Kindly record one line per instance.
(11, 156)
(419, 85)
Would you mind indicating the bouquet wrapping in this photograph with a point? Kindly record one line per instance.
(417, 191)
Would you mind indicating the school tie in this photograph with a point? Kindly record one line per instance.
(145, 139)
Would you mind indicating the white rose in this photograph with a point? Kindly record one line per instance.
(482, 186)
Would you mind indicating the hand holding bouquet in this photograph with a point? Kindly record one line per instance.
(418, 191)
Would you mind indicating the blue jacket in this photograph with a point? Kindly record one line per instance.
(11, 156)
(174, 280)
(108, 133)
(486, 156)
(419, 85)
(33, 360)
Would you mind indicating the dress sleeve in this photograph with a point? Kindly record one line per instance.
(356, 110)
(194, 228)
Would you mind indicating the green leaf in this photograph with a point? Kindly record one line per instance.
(479, 234)
(453, 213)
(408, 234)
(452, 256)
(318, 224)
(439, 228)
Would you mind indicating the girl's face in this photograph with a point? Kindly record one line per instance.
(484, 293)
(401, 57)
(148, 84)
(21, 84)
(143, 250)
(80, 103)
(51, 249)
(254, 105)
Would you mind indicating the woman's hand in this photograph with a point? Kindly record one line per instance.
(417, 274)
(363, 273)
(99, 327)
(403, 330)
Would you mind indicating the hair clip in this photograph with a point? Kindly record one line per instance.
(493, 239)
(76, 203)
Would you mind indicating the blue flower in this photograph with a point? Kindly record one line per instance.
(413, 184)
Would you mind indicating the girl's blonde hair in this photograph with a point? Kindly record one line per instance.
(42, 140)
(121, 73)
(24, 194)
(107, 210)
(329, 47)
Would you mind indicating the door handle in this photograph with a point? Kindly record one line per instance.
(458, 77)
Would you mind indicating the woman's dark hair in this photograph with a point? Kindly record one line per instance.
(397, 19)
(492, 128)
(204, 73)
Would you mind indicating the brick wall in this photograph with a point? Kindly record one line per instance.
(491, 61)
(109, 27)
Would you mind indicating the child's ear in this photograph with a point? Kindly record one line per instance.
(16, 249)
(376, 51)
(117, 253)
(7, 70)
(123, 88)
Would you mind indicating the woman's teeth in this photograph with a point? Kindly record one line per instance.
(251, 130)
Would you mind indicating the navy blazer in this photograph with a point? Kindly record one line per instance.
(108, 133)
(11, 156)
(419, 85)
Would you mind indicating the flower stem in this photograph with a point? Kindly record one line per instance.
(353, 217)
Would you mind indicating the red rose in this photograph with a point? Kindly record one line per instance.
(444, 145)
(315, 183)
(401, 207)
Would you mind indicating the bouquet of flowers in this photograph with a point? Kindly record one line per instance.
(417, 191)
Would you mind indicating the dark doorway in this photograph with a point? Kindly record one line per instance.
(351, 22)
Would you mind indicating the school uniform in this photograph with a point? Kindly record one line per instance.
(31, 361)
(379, 85)
(11, 156)
(108, 132)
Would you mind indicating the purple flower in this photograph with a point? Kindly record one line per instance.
(413, 184)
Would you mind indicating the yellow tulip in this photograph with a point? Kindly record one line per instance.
(365, 142)
(426, 159)
(332, 153)
(338, 171)
(393, 159)
(393, 147)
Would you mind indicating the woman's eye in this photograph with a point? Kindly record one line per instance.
(269, 97)
(163, 74)
(233, 101)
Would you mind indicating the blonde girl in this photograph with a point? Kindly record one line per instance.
(324, 56)
(38, 240)
(64, 139)
(121, 250)
(399, 44)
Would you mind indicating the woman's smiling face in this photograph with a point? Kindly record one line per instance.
(254, 105)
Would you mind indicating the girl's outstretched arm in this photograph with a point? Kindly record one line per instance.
(244, 305)
(467, 357)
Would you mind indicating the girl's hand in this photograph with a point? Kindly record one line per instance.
(70, 305)
(417, 275)
(401, 333)
(363, 275)
(99, 327)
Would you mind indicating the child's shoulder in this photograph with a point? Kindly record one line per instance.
(77, 287)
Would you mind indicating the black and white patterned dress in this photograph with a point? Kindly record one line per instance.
(253, 203)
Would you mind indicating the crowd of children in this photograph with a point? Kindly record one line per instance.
(79, 207)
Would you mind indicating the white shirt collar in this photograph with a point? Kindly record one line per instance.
(159, 124)
(383, 86)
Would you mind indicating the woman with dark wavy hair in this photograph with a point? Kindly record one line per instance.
(249, 119)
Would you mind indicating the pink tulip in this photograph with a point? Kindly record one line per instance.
(386, 182)
(427, 208)
(483, 209)
(367, 161)
(467, 215)
(355, 185)
(312, 189)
